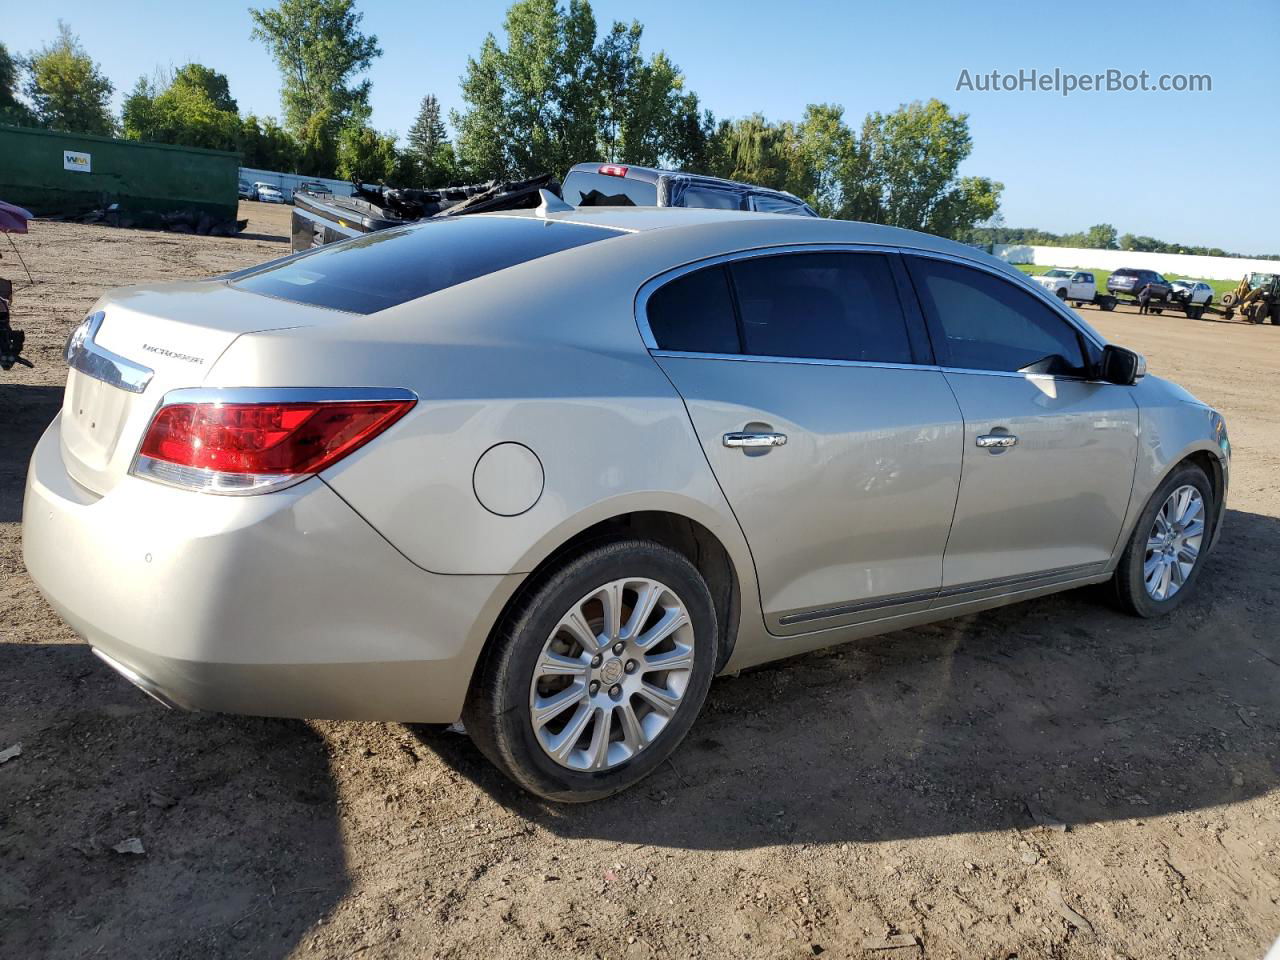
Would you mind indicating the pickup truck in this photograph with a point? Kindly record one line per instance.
(1078, 286)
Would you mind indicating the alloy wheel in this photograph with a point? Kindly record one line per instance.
(612, 674)
(1173, 545)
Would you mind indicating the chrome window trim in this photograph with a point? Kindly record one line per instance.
(282, 395)
(83, 354)
(804, 361)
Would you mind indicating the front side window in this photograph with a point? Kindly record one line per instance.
(982, 322)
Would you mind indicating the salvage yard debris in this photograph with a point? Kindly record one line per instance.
(10, 752)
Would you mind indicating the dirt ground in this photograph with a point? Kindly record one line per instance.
(1049, 780)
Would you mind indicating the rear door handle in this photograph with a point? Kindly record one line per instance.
(996, 441)
(751, 440)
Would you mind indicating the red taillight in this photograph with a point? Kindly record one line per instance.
(255, 446)
(613, 170)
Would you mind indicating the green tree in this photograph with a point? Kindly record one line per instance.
(825, 149)
(265, 145)
(427, 132)
(428, 160)
(366, 155)
(554, 96)
(319, 49)
(193, 108)
(531, 107)
(904, 172)
(67, 89)
(758, 151)
(12, 110)
(642, 109)
(1102, 236)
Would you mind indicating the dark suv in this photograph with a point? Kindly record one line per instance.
(624, 185)
(1129, 282)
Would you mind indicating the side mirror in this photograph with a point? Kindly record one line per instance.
(1121, 366)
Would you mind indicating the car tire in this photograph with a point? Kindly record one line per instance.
(624, 737)
(1061, 294)
(1141, 560)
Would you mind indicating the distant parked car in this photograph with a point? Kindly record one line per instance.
(266, 193)
(245, 190)
(313, 187)
(625, 185)
(1075, 285)
(1194, 293)
(1129, 282)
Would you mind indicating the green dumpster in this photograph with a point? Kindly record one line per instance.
(67, 174)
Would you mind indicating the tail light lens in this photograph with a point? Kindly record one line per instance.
(240, 442)
(613, 170)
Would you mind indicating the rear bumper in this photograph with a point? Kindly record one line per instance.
(286, 604)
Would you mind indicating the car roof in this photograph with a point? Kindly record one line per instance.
(744, 229)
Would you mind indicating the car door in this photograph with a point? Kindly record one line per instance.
(1049, 454)
(1081, 284)
(838, 451)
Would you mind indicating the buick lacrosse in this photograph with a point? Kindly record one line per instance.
(549, 472)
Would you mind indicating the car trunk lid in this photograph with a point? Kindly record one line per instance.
(146, 342)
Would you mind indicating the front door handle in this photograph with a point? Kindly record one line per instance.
(754, 440)
(996, 441)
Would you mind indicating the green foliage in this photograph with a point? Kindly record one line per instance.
(194, 108)
(1101, 236)
(12, 110)
(366, 155)
(428, 161)
(902, 169)
(905, 172)
(319, 48)
(67, 89)
(265, 145)
(556, 95)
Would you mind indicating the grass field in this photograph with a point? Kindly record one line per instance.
(1100, 278)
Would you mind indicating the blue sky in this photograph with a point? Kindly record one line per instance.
(1164, 164)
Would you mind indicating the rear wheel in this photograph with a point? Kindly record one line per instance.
(593, 681)
(1164, 555)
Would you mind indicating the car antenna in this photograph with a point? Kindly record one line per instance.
(550, 204)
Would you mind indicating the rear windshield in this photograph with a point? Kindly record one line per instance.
(584, 189)
(389, 267)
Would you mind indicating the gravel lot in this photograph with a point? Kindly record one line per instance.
(914, 790)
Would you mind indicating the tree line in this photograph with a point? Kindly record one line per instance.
(552, 91)
(1101, 236)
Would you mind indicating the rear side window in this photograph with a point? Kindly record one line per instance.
(986, 323)
(390, 267)
(769, 203)
(709, 198)
(832, 306)
(694, 314)
(584, 189)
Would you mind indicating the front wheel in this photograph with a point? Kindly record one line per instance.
(595, 678)
(1062, 294)
(1168, 546)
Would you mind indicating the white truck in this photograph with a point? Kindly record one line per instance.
(1076, 286)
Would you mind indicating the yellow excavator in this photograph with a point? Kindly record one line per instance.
(1256, 299)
